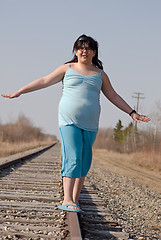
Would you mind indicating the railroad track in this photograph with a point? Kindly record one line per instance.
(30, 192)
(98, 223)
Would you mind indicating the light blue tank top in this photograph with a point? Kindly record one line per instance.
(80, 102)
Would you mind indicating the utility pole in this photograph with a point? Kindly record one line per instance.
(138, 97)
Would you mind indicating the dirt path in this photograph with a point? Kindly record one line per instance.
(115, 163)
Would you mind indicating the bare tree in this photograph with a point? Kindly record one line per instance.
(156, 121)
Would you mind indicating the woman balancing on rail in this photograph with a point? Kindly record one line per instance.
(79, 109)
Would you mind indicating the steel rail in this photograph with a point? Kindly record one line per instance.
(27, 204)
(74, 226)
(72, 217)
(98, 222)
(20, 159)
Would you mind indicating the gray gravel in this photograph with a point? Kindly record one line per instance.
(137, 206)
(29, 197)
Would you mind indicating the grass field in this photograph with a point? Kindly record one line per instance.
(149, 160)
(7, 148)
(143, 168)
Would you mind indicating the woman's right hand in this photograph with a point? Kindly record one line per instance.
(12, 95)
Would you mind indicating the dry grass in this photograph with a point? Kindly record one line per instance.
(22, 136)
(148, 160)
(133, 166)
(7, 148)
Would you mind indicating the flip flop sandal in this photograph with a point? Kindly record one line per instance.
(65, 208)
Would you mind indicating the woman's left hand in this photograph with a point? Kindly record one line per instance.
(136, 117)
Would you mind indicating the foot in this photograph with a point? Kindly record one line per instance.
(73, 203)
(66, 207)
(77, 204)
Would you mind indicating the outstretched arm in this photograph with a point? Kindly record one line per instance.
(40, 83)
(110, 94)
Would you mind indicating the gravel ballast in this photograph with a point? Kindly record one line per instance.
(137, 206)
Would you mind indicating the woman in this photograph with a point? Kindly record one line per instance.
(79, 111)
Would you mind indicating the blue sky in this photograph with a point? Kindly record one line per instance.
(37, 36)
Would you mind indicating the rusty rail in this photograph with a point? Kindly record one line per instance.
(74, 227)
(17, 203)
(20, 159)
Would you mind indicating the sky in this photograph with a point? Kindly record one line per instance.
(37, 36)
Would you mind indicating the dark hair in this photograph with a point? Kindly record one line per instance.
(93, 44)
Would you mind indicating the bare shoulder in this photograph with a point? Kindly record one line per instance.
(57, 75)
(104, 76)
(96, 69)
(107, 88)
(63, 68)
(73, 65)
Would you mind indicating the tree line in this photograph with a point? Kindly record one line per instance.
(22, 131)
(129, 139)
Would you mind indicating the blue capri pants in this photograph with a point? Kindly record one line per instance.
(76, 148)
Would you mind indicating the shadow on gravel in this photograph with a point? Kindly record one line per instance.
(10, 166)
(98, 222)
